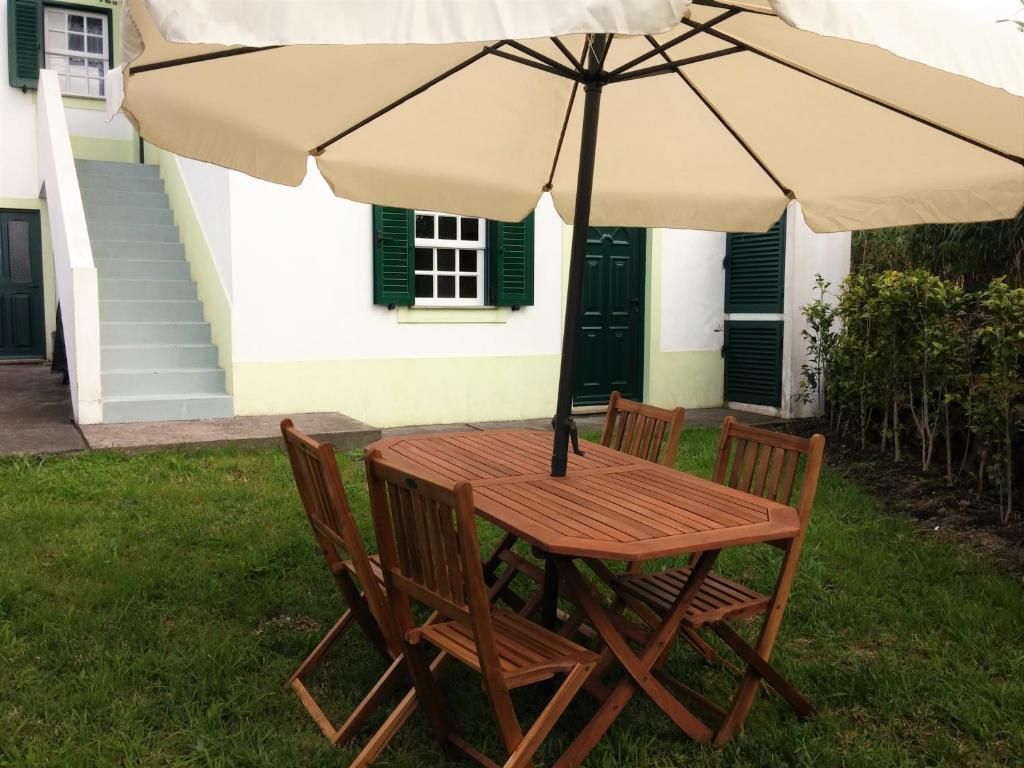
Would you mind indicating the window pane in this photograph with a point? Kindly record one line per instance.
(57, 63)
(94, 44)
(471, 229)
(56, 41)
(54, 19)
(467, 287)
(76, 23)
(424, 226)
(95, 87)
(76, 42)
(424, 287)
(445, 259)
(424, 259)
(467, 261)
(94, 26)
(445, 287)
(21, 267)
(446, 227)
(77, 64)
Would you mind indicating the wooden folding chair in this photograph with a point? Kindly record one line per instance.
(357, 575)
(426, 531)
(640, 430)
(763, 463)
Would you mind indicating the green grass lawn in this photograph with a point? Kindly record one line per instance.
(151, 607)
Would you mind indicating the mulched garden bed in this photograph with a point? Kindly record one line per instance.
(955, 513)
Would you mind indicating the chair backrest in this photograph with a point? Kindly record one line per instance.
(323, 496)
(639, 429)
(429, 550)
(765, 463)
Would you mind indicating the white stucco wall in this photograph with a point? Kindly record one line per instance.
(208, 186)
(692, 290)
(302, 285)
(807, 254)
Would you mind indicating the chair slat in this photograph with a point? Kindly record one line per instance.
(771, 488)
(761, 472)
(641, 430)
(788, 477)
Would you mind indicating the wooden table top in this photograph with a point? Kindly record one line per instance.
(609, 505)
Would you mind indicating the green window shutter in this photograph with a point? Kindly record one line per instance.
(755, 268)
(753, 362)
(24, 42)
(393, 256)
(510, 255)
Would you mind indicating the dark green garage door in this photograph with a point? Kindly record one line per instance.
(755, 268)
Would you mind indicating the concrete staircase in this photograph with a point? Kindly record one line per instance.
(157, 360)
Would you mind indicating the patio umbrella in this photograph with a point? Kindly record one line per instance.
(654, 113)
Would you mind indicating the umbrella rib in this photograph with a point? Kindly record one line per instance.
(568, 54)
(672, 66)
(561, 68)
(725, 123)
(560, 71)
(674, 42)
(198, 58)
(319, 149)
(561, 135)
(867, 97)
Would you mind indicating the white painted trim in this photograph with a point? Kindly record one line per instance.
(75, 273)
(764, 410)
(751, 316)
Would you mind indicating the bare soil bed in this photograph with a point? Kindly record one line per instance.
(952, 512)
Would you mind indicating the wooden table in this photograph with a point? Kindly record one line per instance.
(608, 506)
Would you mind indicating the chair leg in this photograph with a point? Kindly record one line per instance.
(762, 668)
(530, 743)
(428, 694)
(360, 608)
(313, 660)
(370, 702)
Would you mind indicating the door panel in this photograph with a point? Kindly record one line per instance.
(21, 286)
(610, 346)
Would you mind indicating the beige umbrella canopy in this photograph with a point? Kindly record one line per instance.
(757, 113)
(626, 111)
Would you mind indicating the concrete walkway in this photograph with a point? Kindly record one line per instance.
(35, 411)
(35, 418)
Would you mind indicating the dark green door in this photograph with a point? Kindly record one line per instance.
(611, 333)
(21, 285)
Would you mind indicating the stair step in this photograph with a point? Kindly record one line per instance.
(142, 269)
(111, 168)
(91, 197)
(139, 184)
(158, 356)
(207, 405)
(161, 381)
(110, 214)
(134, 290)
(119, 230)
(150, 310)
(124, 249)
(131, 333)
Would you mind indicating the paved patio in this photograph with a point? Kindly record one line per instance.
(35, 411)
(36, 418)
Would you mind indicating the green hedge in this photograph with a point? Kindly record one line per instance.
(914, 362)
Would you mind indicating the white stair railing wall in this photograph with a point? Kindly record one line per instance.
(74, 269)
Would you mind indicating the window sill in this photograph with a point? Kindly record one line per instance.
(452, 314)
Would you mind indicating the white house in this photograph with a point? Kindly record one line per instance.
(190, 291)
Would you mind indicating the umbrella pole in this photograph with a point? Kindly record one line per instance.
(563, 422)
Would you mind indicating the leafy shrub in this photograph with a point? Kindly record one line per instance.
(910, 358)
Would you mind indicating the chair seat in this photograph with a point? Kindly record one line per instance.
(719, 598)
(527, 652)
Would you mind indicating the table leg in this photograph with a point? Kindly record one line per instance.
(640, 668)
(549, 606)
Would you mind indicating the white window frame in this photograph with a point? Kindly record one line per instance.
(479, 245)
(54, 55)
